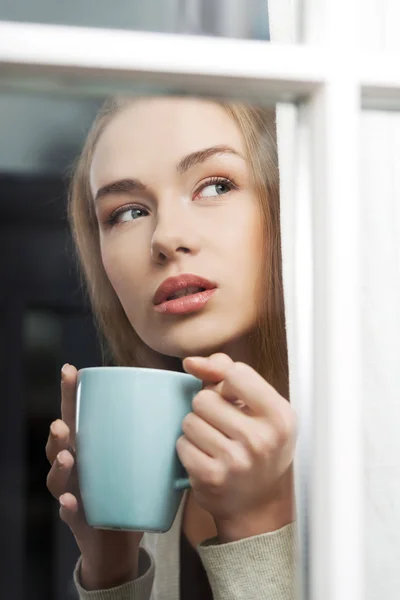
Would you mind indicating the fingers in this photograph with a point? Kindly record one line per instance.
(58, 439)
(70, 511)
(68, 406)
(212, 408)
(242, 381)
(210, 370)
(206, 438)
(62, 479)
(59, 474)
(235, 380)
(201, 467)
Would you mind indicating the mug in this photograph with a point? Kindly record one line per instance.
(128, 420)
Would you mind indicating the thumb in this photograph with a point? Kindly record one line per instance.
(210, 369)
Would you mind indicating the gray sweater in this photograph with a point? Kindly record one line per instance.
(262, 567)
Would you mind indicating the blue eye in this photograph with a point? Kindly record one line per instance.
(216, 186)
(126, 214)
(217, 189)
(132, 212)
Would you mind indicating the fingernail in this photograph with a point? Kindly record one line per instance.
(52, 430)
(60, 461)
(61, 501)
(63, 370)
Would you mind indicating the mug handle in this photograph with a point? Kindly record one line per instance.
(182, 484)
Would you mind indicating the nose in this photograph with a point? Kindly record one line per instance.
(173, 237)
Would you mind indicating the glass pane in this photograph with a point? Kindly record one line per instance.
(234, 18)
(380, 187)
(44, 133)
(198, 209)
(378, 25)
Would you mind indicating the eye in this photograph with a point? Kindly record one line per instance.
(215, 187)
(126, 214)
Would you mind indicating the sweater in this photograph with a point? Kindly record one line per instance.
(263, 567)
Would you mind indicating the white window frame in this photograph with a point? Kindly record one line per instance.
(329, 79)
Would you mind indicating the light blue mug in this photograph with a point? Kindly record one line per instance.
(128, 421)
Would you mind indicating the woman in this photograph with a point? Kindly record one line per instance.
(169, 188)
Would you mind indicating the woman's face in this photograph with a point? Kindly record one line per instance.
(174, 195)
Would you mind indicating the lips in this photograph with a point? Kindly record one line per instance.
(172, 285)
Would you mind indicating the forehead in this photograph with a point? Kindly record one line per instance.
(160, 131)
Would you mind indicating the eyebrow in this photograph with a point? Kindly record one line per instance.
(128, 186)
(122, 186)
(201, 156)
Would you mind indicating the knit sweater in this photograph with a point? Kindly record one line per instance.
(262, 567)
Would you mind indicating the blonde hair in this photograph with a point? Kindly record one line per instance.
(119, 339)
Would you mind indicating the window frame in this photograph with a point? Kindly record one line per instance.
(321, 82)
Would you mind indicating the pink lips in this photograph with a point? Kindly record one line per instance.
(185, 304)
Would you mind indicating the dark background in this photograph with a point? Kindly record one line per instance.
(44, 322)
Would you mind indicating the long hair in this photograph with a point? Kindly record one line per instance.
(120, 342)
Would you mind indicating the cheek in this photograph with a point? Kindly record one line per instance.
(109, 259)
(252, 258)
(247, 240)
(118, 269)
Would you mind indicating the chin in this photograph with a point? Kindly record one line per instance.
(201, 342)
(204, 335)
(183, 350)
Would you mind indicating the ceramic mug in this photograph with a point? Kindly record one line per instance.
(128, 421)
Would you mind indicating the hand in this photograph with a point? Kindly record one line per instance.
(238, 447)
(109, 558)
